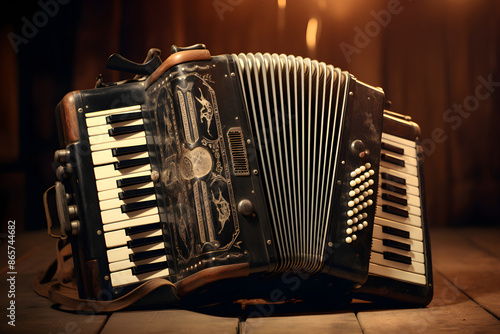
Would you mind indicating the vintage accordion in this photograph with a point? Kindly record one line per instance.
(243, 170)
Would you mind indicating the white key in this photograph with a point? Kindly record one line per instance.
(415, 232)
(378, 246)
(105, 142)
(120, 238)
(409, 169)
(397, 274)
(415, 245)
(108, 171)
(413, 210)
(116, 203)
(408, 159)
(125, 264)
(411, 219)
(116, 215)
(99, 117)
(131, 223)
(122, 253)
(113, 193)
(412, 190)
(414, 267)
(103, 129)
(110, 183)
(126, 277)
(398, 141)
(410, 179)
(106, 157)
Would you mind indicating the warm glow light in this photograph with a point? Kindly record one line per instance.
(281, 4)
(311, 34)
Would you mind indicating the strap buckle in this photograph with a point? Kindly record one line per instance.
(65, 213)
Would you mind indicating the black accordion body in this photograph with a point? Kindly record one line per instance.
(243, 170)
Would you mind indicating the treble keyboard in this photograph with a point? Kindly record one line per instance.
(127, 200)
(400, 256)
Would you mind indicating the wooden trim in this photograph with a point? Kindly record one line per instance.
(210, 275)
(175, 59)
(67, 116)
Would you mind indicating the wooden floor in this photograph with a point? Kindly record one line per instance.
(466, 299)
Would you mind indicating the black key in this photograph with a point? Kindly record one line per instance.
(393, 160)
(123, 117)
(142, 228)
(138, 206)
(119, 151)
(393, 210)
(146, 254)
(131, 163)
(145, 268)
(392, 188)
(396, 231)
(136, 192)
(394, 244)
(122, 130)
(393, 178)
(397, 257)
(144, 241)
(394, 199)
(393, 148)
(132, 180)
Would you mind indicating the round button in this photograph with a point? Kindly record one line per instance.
(371, 182)
(362, 187)
(352, 183)
(354, 220)
(366, 174)
(363, 168)
(358, 171)
(350, 213)
(368, 165)
(360, 226)
(355, 210)
(356, 200)
(371, 171)
(362, 177)
(350, 203)
(348, 231)
(360, 216)
(352, 193)
(360, 207)
(358, 147)
(365, 205)
(353, 174)
(364, 215)
(354, 237)
(358, 180)
(361, 197)
(349, 221)
(365, 193)
(348, 240)
(370, 192)
(356, 191)
(365, 223)
(354, 228)
(245, 207)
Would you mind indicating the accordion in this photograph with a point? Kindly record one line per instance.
(238, 172)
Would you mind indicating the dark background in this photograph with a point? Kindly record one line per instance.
(431, 57)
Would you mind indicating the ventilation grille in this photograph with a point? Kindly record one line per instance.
(238, 151)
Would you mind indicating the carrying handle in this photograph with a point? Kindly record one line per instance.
(64, 213)
(48, 216)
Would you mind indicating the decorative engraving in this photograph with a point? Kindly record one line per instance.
(206, 112)
(196, 163)
(223, 209)
(192, 114)
(208, 212)
(185, 122)
(199, 210)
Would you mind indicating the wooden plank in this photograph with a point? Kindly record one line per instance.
(487, 238)
(449, 312)
(168, 321)
(34, 314)
(323, 323)
(474, 270)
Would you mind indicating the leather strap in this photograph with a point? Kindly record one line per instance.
(57, 284)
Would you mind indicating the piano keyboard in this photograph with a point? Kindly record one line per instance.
(127, 199)
(397, 247)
